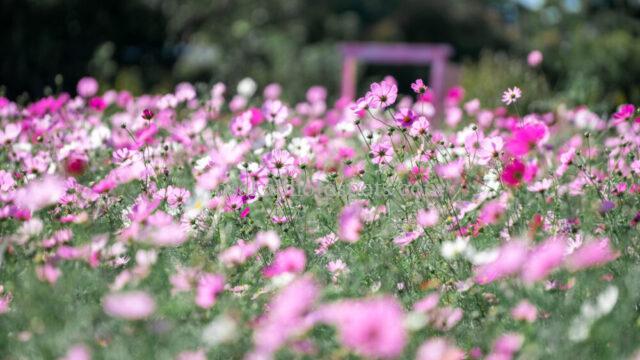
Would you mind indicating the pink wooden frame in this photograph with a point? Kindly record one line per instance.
(436, 55)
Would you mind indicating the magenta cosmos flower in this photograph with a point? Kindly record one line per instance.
(382, 94)
(405, 117)
(516, 172)
(525, 138)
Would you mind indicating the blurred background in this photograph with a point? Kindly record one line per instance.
(591, 47)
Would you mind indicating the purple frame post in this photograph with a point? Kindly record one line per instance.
(436, 55)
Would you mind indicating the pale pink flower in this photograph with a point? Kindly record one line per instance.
(439, 349)
(535, 58)
(525, 311)
(288, 315)
(382, 152)
(428, 303)
(505, 346)
(132, 305)
(427, 217)
(177, 196)
(382, 94)
(5, 300)
(336, 268)
(510, 258)
(350, 222)
(77, 352)
(268, 239)
(595, 253)
(87, 87)
(192, 355)
(289, 260)
(279, 162)
(452, 170)
(373, 328)
(420, 127)
(209, 286)
(511, 95)
(40, 193)
(48, 272)
(542, 260)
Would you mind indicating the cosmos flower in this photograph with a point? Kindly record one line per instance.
(371, 327)
(132, 305)
(382, 152)
(535, 58)
(510, 96)
(509, 261)
(382, 94)
(524, 310)
(405, 117)
(177, 196)
(208, 288)
(289, 260)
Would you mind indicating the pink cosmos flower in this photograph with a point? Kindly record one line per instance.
(490, 148)
(625, 111)
(438, 348)
(336, 268)
(177, 196)
(382, 94)
(535, 58)
(40, 193)
(511, 95)
(5, 300)
(408, 237)
(77, 352)
(452, 170)
(516, 172)
(405, 117)
(373, 328)
(510, 258)
(268, 239)
(419, 87)
(192, 355)
(350, 222)
(542, 260)
(595, 253)
(289, 260)
(427, 217)
(525, 311)
(132, 305)
(420, 127)
(238, 253)
(427, 304)
(87, 87)
(288, 315)
(382, 152)
(525, 138)
(241, 125)
(279, 162)
(505, 346)
(209, 286)
(48, 272)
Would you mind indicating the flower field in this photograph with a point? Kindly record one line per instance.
(228, 223)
